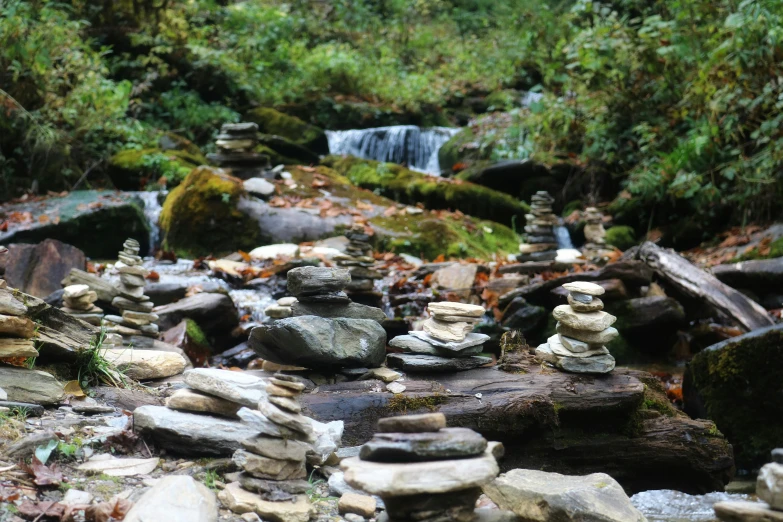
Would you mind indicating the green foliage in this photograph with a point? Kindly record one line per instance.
(94, 369)
(621, 237)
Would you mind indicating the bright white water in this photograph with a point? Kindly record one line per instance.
(563, 237)
(152, 210)
(672, 506)
(416, 147)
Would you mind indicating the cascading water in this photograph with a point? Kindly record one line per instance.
(414, 146)
(152, 209)
(563, 237)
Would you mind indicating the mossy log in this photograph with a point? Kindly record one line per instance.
(619, 424)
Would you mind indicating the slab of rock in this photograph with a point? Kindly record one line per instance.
(292, 421)
(574, 345)
(274, 490)
(33, 386)
(269, 468)
(316, 342)
(742, 511)
(3, 395)
(313, 280)
(16, 326)
(585, 287)
(9, 305)
(411, 478)
(285, 403)
(263, 425)
(12, 347)
(238, 387)
(648, 314)
(259, 187)
(429, 363)
(349, 310)
(362, 505)
(384, 374)
(447, 331)
(240, 501)
(187, 399)
(39, 269)
(592, 322)
(412, 344)
(595, 304)
(450, 308)
(595, 364)
(448, 443)
(175, 498)
(145, 364)
(277, 448)
(539, 496)
(594, 338)
(422, 423)
(215, 313)
(470, 340)
(558, 348)
(119, 467)
(190, 433)
(769, 485)
(457, 278)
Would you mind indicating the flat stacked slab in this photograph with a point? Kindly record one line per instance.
(423, 470)
(583, 329)
(540, 242)
(281, 309)
(79, 302)
(16, 330)
(135, 307)
(447, 342)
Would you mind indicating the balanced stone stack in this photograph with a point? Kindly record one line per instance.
(595, 247)
(358, 260)
(16, 330)
(540, 241)
(274, 461)
(281, 309)
(136, 308)
(79, 302)
(769, 489)
(583, 330)
(447, 342)
(424, 471)
(236, 145)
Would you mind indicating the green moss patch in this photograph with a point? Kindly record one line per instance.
(406, 186)
(272, 121)
(136, 169)
(622, 237)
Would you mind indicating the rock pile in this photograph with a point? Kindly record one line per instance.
(769, 489)
(446, 344)
(16, 330)
(540, 241)
(281, 309)
(236, 145)
(79, 302)
(358, 260)
(423, 470)
(327, 330)
(136, 308)
(595, 247)
(583, 329)
(273, 482)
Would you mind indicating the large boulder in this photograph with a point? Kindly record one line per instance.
(31, 386)
(273, 122)
(200, 216)
(737, 384)
(97, 222)
(317, 342)
(180, 497)
(761, 276)
(538, 496)
(39, 269)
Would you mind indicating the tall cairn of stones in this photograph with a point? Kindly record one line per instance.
(236, 145)
(16, 330)
(595, 248)
(273, 481)
(79, 302)
(583, 329)
(447, 342)
(423, 470)
(540, 241)
(136, 308)
(358, 260)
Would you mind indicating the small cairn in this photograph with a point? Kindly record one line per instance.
(274, 461)
(769, 489)
(423, 470)
(447, 342)
(236, 145)
(358, 260)
(540, 241)
(136, 308)
(583, 330)
(281, 309)
(79, 302)
(595, 248)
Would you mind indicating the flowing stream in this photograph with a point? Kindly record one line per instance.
(152, 208)
(416, 147)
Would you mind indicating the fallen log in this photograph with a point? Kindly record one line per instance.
(698, 284)
(568, 423)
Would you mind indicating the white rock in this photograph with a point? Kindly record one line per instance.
(240, 501)
(75, 497)
(569, 256)
(450, 308)
(445, 331)
(145, 364)
(769, 485)
(3, 395)
(176, 498)
(259, 186)
(592, 321)
(73, 291)
(116, 467)
(395, 387)
(471, 339)
(558, 348)
(287, 301)
(583, 287)
(328, 438)
(574, 345)
(273, 251)
(237, 387)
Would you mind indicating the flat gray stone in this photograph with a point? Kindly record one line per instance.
(33, 386)
(420, 423)
(238, 387)
(259, 187)
(595, 304)
(584, 287)
(600, 338)
(175, 498)
(558, 348)
(262, 425)
(447, 443)
(314, 280)
(274, 490)
(268, 468)
(277, 448)
(742, 511)
(429, 363)
(293, 421)
(331, 310)
(594, 364)
(590, 321)
(538, 496)
(471, 339)
(412, 344)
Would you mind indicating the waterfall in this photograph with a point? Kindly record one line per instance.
(152, 208)
(563, 237)
(414, 146)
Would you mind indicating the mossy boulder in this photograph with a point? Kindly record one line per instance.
(134, 169)
(621, 236)
(285, 148)
(276, 123)
(410, 187)
(200, 216)
(737, 384)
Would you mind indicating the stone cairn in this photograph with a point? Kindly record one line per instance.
(135, 307)
(769, 489)
(274, 461)
(236, 145)
(281, 309)
(423, 470)
(595, 247)
(447, 342)
(583, 329)
(540, 241)
(16, 330)
(79, 302)
(358, 260)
